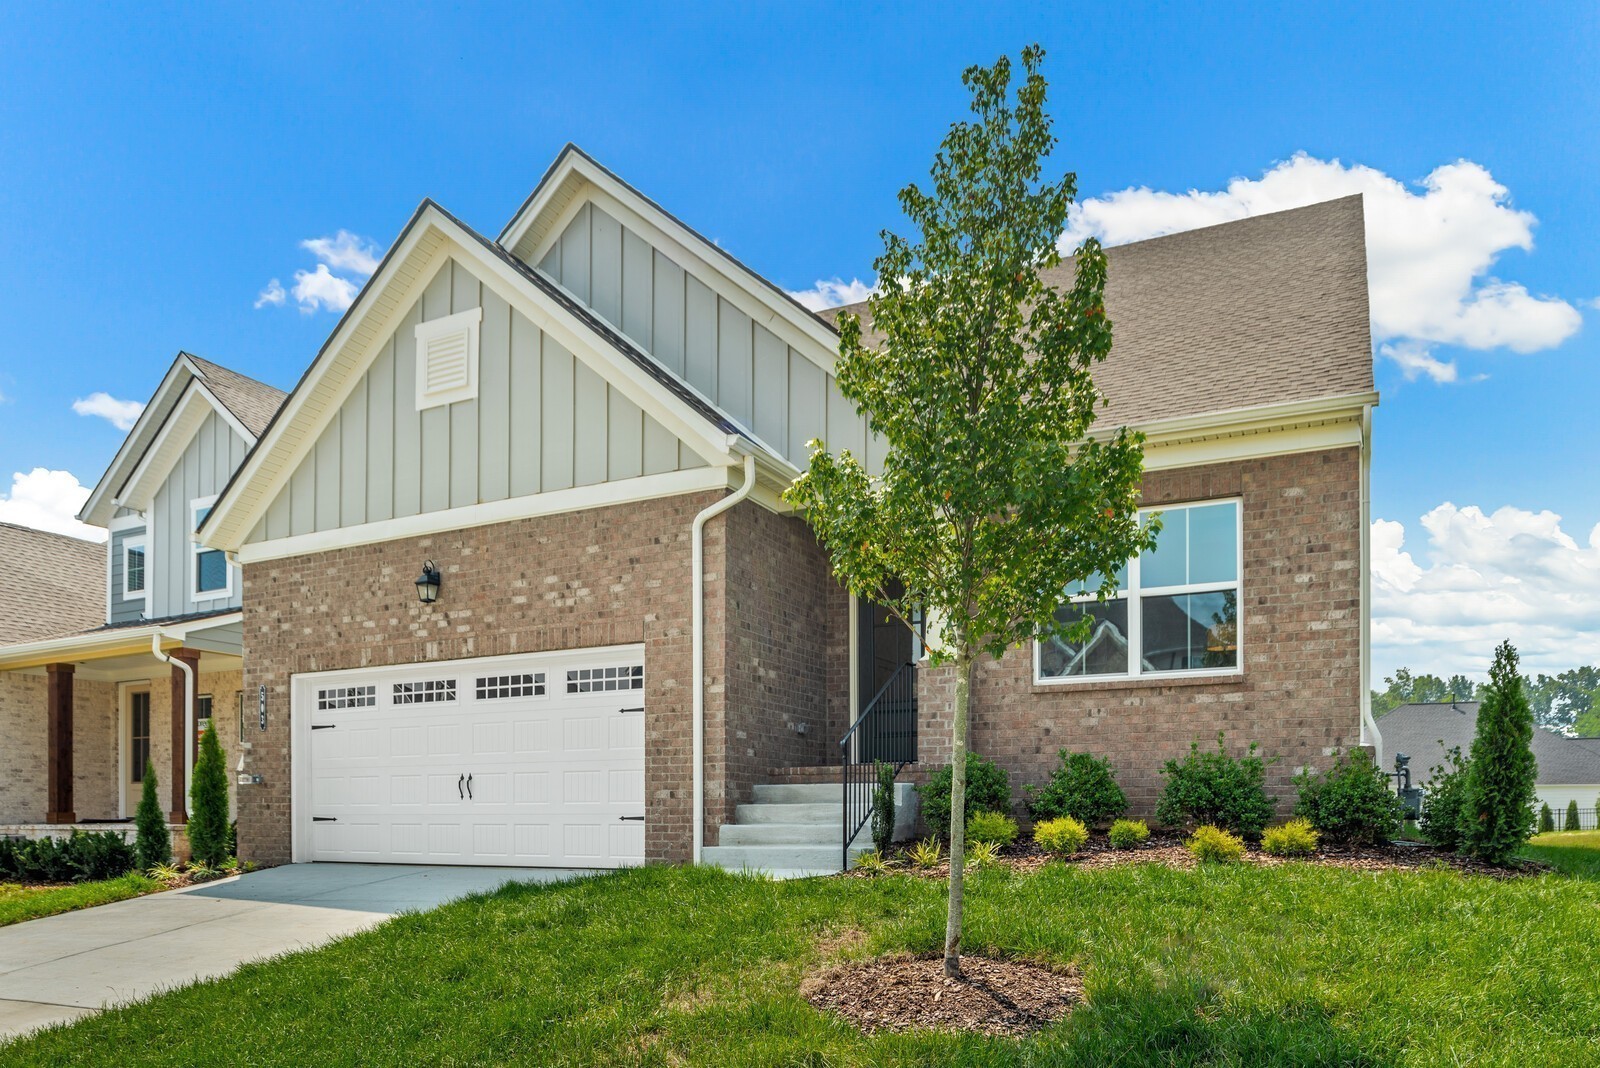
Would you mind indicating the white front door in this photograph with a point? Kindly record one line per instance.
(530, 760)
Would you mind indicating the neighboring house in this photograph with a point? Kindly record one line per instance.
(582, 429)
(85, 699)
(1569, 768)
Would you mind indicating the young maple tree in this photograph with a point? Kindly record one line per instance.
(993, 498)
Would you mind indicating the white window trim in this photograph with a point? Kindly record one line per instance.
(142, 543)
(1135, 616)
(195, 549)
(469, 321)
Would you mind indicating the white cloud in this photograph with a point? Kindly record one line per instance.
(1484, 578)
(352, 256)
(344, 251)
(832, 293)
(273, 294)
(121, 414)
(1430, 250)
(48, 500)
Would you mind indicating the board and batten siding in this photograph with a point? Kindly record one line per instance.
(782, 396)
(542, 420)
(209, 460)
(125, 610)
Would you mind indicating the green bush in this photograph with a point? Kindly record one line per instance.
(1351, 802)
(1547, 819)
(1441, 805)
(1497, 818)
(1062, 837)
(152, 841)
(1573, 823)
(1125, 834)
(1083, 787)
(1213, 845)
(81, 858)
(988, 790)
(208, 803)
(883, 809)
(1216, 789)
(994, 828)
(1297, 838)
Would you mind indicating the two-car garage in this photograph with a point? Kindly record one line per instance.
(531, 760)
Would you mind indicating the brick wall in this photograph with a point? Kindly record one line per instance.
(1299, 694)
(22, 748)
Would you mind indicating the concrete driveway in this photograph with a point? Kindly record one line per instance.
(62, 967)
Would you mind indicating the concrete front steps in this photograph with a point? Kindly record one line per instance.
(796, 829)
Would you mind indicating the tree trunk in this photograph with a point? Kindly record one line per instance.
(958, 813)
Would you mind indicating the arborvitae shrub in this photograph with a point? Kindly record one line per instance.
(1083, 787)
(1547, 819)
(1573, 823)
(208, 804)
(988, 790)
(1441, 805)
(1216, 789)
(883, 809)
(1351, 802)
(152, 841)
(1498, 815)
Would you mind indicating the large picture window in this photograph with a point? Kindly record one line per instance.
(1176, 610)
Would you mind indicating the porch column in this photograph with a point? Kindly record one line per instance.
(58, 743)
(182, 740)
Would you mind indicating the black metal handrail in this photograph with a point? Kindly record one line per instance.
(885, 732)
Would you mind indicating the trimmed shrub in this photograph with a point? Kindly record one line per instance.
(1441, 805)
(1083, 787)
(883, 809)
(1498, 815)
(80, 858)
(1213, 845)
(1547, 819)
(1217, 790)
(988, 790)
(1125, 834)
(1062, 837)
(152, 844)
(1351, 802)
(1297, 838)
(208, 803)
(1573, 823)
(991, 828)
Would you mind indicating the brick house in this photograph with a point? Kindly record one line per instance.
(518, 586)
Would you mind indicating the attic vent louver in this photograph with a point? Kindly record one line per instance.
(447, 359)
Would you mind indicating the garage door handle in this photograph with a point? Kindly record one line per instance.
(625, 711)
(469, 786)
(639, 818)
(459, 790)
(328, 819)
(323, 726)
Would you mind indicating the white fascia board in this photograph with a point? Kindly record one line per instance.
(99, 509)
(176, 433)
(576, 179)
(115, 642)
(1257, 419)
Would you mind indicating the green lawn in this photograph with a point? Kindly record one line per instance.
(1574, 852)
(18, 903)
(1234, 966)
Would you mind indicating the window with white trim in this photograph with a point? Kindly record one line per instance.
(447, 359)
(210, 577)
(426, 692)
(599, 679)
(1175, 612)
(133, 569)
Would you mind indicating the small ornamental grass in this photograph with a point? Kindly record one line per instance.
(1127, 834)
(1297, 838)
(991, 828)
(1213, 845)
(873, 863)
(926, 853)
(983, 855)
(1060, 837)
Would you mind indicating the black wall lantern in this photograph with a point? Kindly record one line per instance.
(428, 583)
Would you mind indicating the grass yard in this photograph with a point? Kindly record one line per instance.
(18, 903)
(1574, 852)
(1233, 966)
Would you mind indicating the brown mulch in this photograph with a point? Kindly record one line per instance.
(1166, 847)
(992, 997)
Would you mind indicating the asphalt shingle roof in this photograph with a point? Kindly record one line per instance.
(252, 403)
(57, 585)
(1427, 731)
(1264, 310)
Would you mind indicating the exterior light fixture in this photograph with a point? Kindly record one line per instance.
(428, 583)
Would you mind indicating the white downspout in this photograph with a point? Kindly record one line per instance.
(1370, 734)
(188, 711)
(698, 615)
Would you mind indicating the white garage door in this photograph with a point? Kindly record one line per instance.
(533, 760)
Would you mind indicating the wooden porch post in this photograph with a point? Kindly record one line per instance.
(58, 743)
(182, 740)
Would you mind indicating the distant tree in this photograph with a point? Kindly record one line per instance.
(208, 803)
(152, 842)
(1588, 724)
(1573, 823)
(1405, 688)
(1498, 815)
(1561, 701)
(1547, 819)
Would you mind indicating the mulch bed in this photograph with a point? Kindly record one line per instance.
(992, 997)
(1166, 847)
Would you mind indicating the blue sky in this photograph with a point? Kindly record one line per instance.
(157, 171)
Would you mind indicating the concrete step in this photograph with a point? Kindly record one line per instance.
(807, 812)
(798, 793)
(761, 834)
(777, 858)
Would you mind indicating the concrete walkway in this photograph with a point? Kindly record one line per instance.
(62, 967)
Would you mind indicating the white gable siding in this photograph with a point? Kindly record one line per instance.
(740, 365)
(542, 421)
(207, 463)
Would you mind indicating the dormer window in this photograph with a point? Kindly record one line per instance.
(210, 577)
(133, 569)
(447, 359)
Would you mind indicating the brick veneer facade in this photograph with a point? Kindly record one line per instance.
(1299, 694)
(606, 576)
